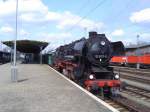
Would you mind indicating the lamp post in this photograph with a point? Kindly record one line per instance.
(138, 63)
(14, 77)
(41, 54)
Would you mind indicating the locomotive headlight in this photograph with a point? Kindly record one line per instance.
(100, 59)
(117, 76)
(103, 43)
(91, 76)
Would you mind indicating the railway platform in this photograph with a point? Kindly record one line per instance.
(42, 89)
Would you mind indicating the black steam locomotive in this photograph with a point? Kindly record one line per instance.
(86, 61)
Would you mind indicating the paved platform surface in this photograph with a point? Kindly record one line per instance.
(41, 89)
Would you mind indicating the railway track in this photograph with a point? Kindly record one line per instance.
(124, 104)
(134, 77)
(134, 74)
(138, 93)
(117, 105)
(144, 73)
(132, 69)
(129, 105)
(140, 96)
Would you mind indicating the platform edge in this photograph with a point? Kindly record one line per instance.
(87, 92)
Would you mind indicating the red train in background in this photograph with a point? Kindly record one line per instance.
(143, 60)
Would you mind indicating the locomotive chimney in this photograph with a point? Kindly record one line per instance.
(101, 35)
(92, 34)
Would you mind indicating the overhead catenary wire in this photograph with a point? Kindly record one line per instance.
(84, 17)
(118, 14)
(83, 6)
(93, 9)
(122, 12)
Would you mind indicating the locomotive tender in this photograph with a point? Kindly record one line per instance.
(86, 61)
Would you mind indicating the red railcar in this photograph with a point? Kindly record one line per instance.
(119, 60)
(143, 60)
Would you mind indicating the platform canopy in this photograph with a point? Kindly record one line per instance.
(28, 46)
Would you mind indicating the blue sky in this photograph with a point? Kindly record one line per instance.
(58, 21)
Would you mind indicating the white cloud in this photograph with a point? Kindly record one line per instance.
(55, 36)
(35, 11)
(141, 16)
(56, 39)
(132, 39)
(145, 37)
(32, 6)
(53, 16)
(7, 7)
(117, 32)
(63, 20)
(68, 19)
(24, 6)
(22, 32)
(6, 29)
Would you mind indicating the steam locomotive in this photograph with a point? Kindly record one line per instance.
(86, 61)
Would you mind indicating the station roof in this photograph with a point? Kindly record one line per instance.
(28, 46)
(135, 47)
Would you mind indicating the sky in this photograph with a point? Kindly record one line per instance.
(59, 22)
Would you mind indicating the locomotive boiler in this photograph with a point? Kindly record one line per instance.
(86, 61)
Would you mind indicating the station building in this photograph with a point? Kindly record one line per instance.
(29, 49)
